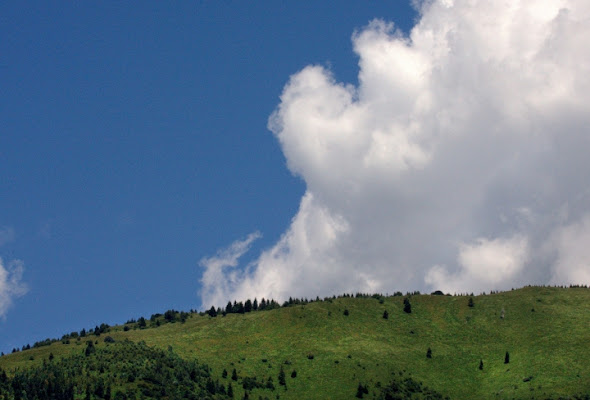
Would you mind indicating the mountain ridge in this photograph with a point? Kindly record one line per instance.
(340, 345)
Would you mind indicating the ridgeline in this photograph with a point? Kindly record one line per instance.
(528, 343)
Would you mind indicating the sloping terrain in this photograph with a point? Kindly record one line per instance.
(528, 343)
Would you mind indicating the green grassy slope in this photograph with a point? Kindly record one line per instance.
(549, 346)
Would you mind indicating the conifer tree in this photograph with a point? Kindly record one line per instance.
(481, 364)
(210, 386)
(385, 314)
(407, 306)
(507, 358)
(220, 387)
(89, 348)
(234, 375)
(470, 303)
(282, 381)
(429, 353)
(361, 390)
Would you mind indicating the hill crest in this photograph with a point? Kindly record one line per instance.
(340, 344)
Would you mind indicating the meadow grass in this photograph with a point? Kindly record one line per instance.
(545, 330)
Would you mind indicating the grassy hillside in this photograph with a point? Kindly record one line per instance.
(546, 332)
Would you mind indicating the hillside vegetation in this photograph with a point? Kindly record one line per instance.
(528, 343)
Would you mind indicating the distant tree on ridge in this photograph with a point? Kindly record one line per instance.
(407, 306)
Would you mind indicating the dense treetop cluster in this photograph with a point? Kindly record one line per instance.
(119, 371)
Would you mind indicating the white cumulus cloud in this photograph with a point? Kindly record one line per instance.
(11, 285)
(484, 264)
(459, 161)
(573, 253)
(220, 276)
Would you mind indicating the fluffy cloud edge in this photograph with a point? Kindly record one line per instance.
(571, 242)
(11, 284)
(485, 264)
(217, 281)
(467, 131)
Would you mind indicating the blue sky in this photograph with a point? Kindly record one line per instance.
(134, 142)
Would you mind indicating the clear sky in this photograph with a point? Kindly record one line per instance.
(134, 142)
